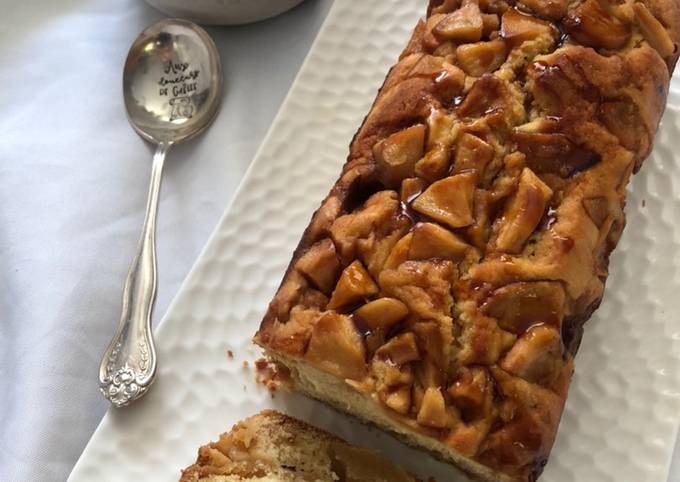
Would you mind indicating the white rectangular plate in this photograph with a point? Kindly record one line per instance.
(622, 415)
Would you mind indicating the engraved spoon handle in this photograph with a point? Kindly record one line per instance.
(129, 364)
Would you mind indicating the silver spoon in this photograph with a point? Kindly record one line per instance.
(172, 84)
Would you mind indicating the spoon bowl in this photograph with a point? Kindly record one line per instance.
(172, 81)
(172, 86)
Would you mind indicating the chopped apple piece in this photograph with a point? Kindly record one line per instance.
(472, 154)
(399, 253)
(449, 200)
(382, 314)
(397, 155)
(398, 400)
(435, 164)
(594, 26)
(355, 285)
(488, 94)
(520, 305)
(551, 9)
(432, 411)
(336, 347)
(494, 6)
(427, 66)
(523, 212)
(320, 265)
(410, 188)
(374, 249)
(388, 375)
(517, 27)
(463, 25)
(347, 229)
(478, 232)
(432, 241)
(293, 336)
(441, 129)
(490, 23)
(552, 153)
(430, 40)
(449, 79)
(654, 32)
(441, 135)
(447, 6)
(471, 391)
(536, 356)
(541, 124)
(479, 58)
(400, 349)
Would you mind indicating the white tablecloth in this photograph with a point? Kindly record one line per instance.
(73, 180)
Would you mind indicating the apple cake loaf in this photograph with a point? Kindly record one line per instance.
(440, 290)
(272, 447)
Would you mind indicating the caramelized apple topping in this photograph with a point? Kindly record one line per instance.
(398, 400)
(471, 392)
(446, 6)
(434, 340)
(396, 156)
(551, 9)
(393, 384)
(432, 241)
(480, 58)
(655, 33)
(430, 40)
(488, 95)
(463, 25)
(493, 6)
(523, 212)
(449, 201)
(490, 24)
(320, 265)
(388, 375)
(517, 28)
(355, 285)
(336, 347)
(472, 154)
(433, 411)
(435, 164)
(293, 335)
(381, 209)
(520, 305)
(382, 314)
(287, 297)
(536, 356)
(596, 27)
(400, 349)
(552, 153)
(399, 253)
(411, 188)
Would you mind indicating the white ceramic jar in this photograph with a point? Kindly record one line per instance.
(223, 12)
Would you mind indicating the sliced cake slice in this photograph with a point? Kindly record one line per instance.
(273, 447)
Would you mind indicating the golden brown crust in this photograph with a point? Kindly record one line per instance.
(474, 218)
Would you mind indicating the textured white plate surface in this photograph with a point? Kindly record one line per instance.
(624, 407)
